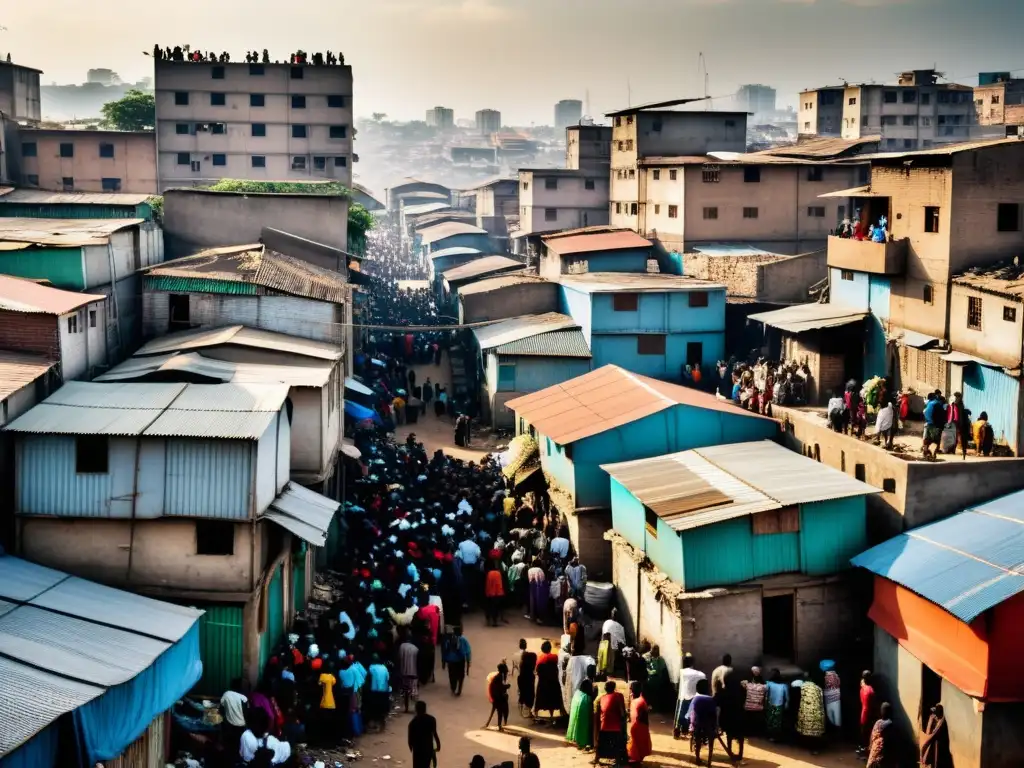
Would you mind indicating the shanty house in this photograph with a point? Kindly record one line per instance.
(451, 234)
(788, 525)
(448, 258)
(611, 415)
(89, 672)
(598, 249)
(178, 491)
(948, 609)
(40, 204)
(511, 295)
(455, 279)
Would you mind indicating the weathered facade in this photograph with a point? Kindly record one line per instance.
(88, 161)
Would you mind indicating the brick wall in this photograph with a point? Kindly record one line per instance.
(728, 623)
(828, 371)
(737, 273)
(32, 333)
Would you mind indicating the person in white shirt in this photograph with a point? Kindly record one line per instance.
(232, 705)
(468, 551)
(559, 545)
(616, 630)
(251, 743)
(688, 679)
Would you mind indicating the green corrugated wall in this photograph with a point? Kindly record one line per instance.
(773, 553)
(220, 647)
(198, 285)
(75, 211)
(299, 580)
(831, 532)
(61, 266)
(718, 554)
(275, 617)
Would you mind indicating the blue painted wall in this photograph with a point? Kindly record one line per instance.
(621, 349)
(577, 305)
(557, 464)
(660, 313)
(849, 293)
(478, 241)
(627, 260)
(879, 290)
(536, 373)
(832, 532)
(990, 390)
(627, 515)
(666, 551)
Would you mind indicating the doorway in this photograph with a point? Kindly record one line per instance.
(694, 352)
(178, 312)
(777, 626)
(931, 692)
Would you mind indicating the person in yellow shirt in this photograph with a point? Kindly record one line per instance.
(982, 434)
(509, 506)
(327, 707)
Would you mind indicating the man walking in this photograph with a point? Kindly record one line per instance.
(457, 656)
(424, 743)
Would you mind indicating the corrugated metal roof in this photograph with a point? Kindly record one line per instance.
(62, 233)
(245, 398)
(784, 475)
(946, 149)
(226, 425)
(967, 563)
(18, 370)
(416, 210)
(458, 250)
(516, 328)
(599, 241)
(917, 340)
(809, 317)
(17, 295)
(358, 386)
(820, 147)
(116, 396)
(482, 266)
(605, 399)
(635, 282)
(42, 197)
(70, 420)
(501, 281)
(191, 363)
(427, 220)
(305, 513)
(21, 580)
(568, 343)
(862, 191)
(449, 229)
(240, 335)
(962, 358)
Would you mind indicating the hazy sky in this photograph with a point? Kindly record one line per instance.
(521, 56)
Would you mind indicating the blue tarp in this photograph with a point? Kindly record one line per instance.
(38, 752)
(361, 412)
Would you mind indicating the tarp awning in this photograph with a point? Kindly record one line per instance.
(809, 317)
(357, 386)
(962, 358)
(303, 512)
(864, 191)
(360, 412)
(917, 340)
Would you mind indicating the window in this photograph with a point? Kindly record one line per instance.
(32, 179)
(629, 119)
(256, 70)
(995, 99)
(846, 274)
(297, 73)
(926, 99)
(298, 131)
(650, 344)
(506, 377)
(336, 102)
(550, 214)
(339, 132)
(220, 159)
(785, 520)
(588, 184)
(888, 119)
(928, 295)
(697, 299)
(657, 175)
(215, 537)
(340, 161)
(257, 100)
(181, 129)
(750, 213)
(1010, 314)
(259, 129)
(807, 126)
(217, 73)
(218, 128)
(974, 313)
(816, 211)
(730, 123)
(852, 101)
(259, 161)
(29, 149)
(672, 175)
(550, 183)
(1008, 217)
(710, 174)
(625, 302)
(298, 163)
(92, 455)
(621, 145)
(815, 174)
(526, 185)
(910, 119)
(217, 100)
(618, 122)
(632, 209)
(694, 352)
(909, 96)
(92, 318)
(752, 175)
(298, 102)
(69, 183)
(73, 324)
(181, 98)
(632, 173)
(111, 185)
(650, 522)
(184, 158)
(657, 209)
(942, 97)
(931, 218)
(673, 211)
(618, 207)
(890, 97)
(319, 163)
(196, 165)
(67, 150)
(710, 213)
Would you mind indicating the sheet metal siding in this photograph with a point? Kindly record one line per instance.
(773, 553)
(208, 478)
(986, 389)
(666, 551)
(220, 647)
(832, 532)
(555, 463)
(849, 293)
(632, 260)
(63, 267)
(660, 313)
(482, 242)
(628, 516)
(536, 373)
(173, 284)
(48, 484)
(879, 291)
(275, 617)
(577, 305)
(74, 211)
(621, 350)
(717, 555)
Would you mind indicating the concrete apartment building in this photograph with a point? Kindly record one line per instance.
(917, 112)
(88, 161)
(588, 148)
(561, 198)
(441, 118)
(999, 100)
(568, 112)
(756, 99)
(20, 97)
(488, 121)
(252, 121)
(655, 130)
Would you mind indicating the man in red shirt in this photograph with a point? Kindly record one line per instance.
(868, 711)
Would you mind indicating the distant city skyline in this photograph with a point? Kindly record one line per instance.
(534, 53)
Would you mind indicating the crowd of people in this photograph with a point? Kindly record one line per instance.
(857, 229)
(756, 387)
(187, 53)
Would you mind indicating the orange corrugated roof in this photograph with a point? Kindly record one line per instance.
(605, 399)
(602, 241)
(19, 295)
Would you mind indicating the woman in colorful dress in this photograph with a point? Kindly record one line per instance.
(776, 701)
(658, 688)
(639, 745)
(754, 701)
(810, 718)
(581, 728)
(549, 691)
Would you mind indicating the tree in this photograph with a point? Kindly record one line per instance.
(136, 111)
(378, 117)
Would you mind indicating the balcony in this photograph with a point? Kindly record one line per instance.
(864, 256)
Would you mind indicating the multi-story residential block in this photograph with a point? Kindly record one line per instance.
(88, 161)
(588, 148)
(999, 101)
(756, 99)
(252, 121)
(917, 112)
(568, 112)
(488, 121)
(442, 118)
(551, 199)
(20, 98)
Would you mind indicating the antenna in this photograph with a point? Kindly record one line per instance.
(586, 109)
(629, 93)
(702, 66)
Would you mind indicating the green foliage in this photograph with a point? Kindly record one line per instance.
(135, 111)
(360, 221)
(156, 202)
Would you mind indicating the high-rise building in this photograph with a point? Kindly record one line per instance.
(756, 99)
(19, 93)
(488, 121)
(441, 118)
(568, 112)
(252, 121)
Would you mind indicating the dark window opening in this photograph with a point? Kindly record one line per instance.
(298, 163)
(29, 149)
(750, 213)
(336, 102)
(215, 537)
(217, 73)
(92, 318)
(1010, 314)
(672, 175)
(650, 344)
(181, 98)
(184, 158)
(339, 132)
(632, 209)
(340, 162)
(778, 626)
(815, 174)
(1008, 217)
(673, 211)
(298, 102)
(297, 73)
(651, 522)
(698, 298)
(752, 175)
(67, 150)
(217, 99)
(91, 455)
(550, 214)
(259, 161)
(890, 97)
(816, 211)
(974, 313)
(319, 163)
(181, 129)
(711, 213)
(588, 184)
(694, 352)
(68, 183)
(111, 184)
(259, 129)
(257, 100)
(625, 302)
(931, 218)
(550, 183)
(889, 485)
(256, 69)
(928, 295)
(218, 128)
(178, 311)
(220, 159)
(106, 150)
(859, 472)
(298, 131)
(711, 175)
(846, 274)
